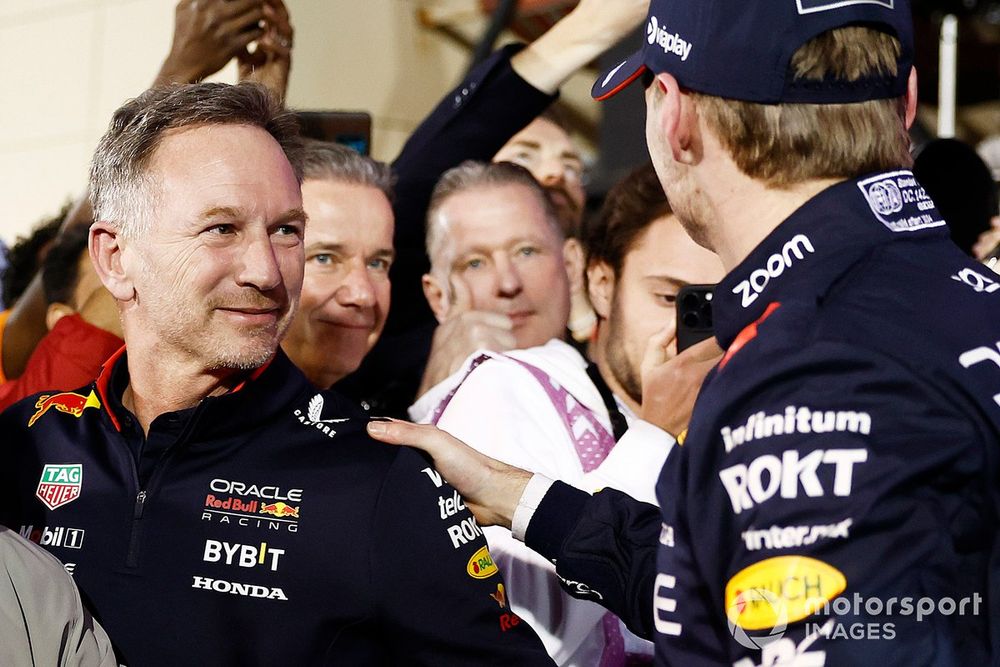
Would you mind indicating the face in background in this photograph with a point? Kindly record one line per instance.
(345, 294)
(641, 301)
(498, 242)
(214, 281)
(544, 149)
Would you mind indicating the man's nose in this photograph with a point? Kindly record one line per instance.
(550, 172)
(508, 279)
(356, 289)
(259, 267)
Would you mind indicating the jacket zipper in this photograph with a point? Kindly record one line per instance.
(135, 535)
(132, 559)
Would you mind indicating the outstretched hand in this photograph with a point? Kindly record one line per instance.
(490, 489)
(207, 35)
(270, 63)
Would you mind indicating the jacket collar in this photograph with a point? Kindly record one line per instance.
(805, 255)
(265, 394)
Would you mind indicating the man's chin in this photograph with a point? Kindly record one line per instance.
(248, 348)
(244, 360)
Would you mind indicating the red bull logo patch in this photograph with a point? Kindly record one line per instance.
(67, 401)
(500, 597)
(280, 509)
(60, 484)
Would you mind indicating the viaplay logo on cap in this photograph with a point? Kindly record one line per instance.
(668, 41)
(813, 6)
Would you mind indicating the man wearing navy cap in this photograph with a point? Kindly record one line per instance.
(835, 501)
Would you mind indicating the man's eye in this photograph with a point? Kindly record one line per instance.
(378, 264)
(527, 251)
(523, 158)
(222, 229)
(289, 230)
(473, 263)
(667, 298)
(573, 172)
(322, 258)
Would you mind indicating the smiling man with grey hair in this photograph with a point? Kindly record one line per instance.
(201, 484)
(348, 252)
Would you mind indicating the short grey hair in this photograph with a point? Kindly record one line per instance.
(470, 175)
(120, 181)
(327, 160)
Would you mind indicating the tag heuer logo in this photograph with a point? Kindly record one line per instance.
(60, 484)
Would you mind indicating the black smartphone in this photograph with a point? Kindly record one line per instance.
(350, 128)
(694, 315)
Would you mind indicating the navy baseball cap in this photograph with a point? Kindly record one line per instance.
(740, 49)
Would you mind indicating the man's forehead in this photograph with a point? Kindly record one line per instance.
(212, 143)
(514, 201)
(543, 134)
(492, 216)
(664, 250)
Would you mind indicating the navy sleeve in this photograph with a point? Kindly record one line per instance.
(604, 548)
(824, 495)
(441, 599)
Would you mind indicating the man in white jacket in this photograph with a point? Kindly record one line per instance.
(548, 410)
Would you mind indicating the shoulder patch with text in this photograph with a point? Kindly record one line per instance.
(899, 202)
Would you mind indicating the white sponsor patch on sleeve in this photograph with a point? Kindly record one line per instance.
(899, 202)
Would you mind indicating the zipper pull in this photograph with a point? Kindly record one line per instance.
(140, 501)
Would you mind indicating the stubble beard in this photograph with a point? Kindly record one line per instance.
(622, 368)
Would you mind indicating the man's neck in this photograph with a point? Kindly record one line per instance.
(744, 211)
(158, 385)
(598, 352)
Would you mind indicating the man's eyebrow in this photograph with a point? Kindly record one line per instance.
(221, 212)
(527, 143)
(571, 155)
(233, 213)
(324, 245)
(292, 215)
(665, 278)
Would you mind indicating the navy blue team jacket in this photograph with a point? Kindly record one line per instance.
(262, 527)
(839, 478)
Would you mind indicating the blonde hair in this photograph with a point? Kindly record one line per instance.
(783, 144)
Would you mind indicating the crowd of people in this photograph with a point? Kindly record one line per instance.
(207, 364)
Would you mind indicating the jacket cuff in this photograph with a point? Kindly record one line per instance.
(556, 516)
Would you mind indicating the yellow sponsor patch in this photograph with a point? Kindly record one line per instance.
(481, 565)
(780, 590)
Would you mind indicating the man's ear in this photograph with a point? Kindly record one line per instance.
(911, 97)
(107, 254)
(677, 119)
(436, 295)
(600, 287)
(55, 312)
(573, 257)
